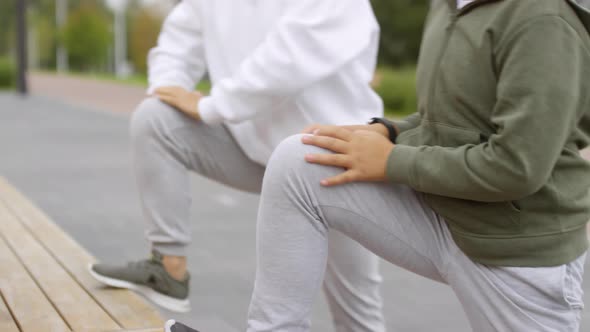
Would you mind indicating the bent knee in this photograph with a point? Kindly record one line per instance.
(290, 154)
(291, 149)
(148, 117)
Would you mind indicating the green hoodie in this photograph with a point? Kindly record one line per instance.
(504, 109)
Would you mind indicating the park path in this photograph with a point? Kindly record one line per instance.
(87, 92)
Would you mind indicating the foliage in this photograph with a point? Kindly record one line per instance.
(7, 22)
(45, 32)
(401, 22)
(397, 88)
(87, 37)
(7, 73)
(143, 35)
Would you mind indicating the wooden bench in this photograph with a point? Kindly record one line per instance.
(44, 282)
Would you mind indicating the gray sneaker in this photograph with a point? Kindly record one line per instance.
(174, 326)
(148, 278)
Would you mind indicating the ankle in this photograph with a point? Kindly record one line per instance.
(175, 266)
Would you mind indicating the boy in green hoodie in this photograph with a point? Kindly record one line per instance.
(483, 189)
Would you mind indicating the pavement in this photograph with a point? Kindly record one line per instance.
(71, 157)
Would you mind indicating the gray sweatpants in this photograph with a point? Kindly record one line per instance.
(167, 145)
(296, 215)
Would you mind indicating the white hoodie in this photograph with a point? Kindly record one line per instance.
(276, 65)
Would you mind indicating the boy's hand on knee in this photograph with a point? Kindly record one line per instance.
(377, 127)
(362, 153)
(183, 100)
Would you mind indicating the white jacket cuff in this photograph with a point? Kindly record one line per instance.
(208, 112)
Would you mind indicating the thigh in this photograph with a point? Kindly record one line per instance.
(215, 154)
(209, 150)
(517, 299)
(389, 219)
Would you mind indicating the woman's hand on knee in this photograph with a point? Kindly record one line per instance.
(183, 100)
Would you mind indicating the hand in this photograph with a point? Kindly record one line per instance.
(183, 100)
(362, 153)
(377, 127)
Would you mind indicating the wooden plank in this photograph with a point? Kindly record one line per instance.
(28, 303)
(160, 329)
(80, 311)
(129, 310)
(7, 323)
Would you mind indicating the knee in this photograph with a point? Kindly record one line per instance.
(290, 153)
(288, 159)
(147, 119)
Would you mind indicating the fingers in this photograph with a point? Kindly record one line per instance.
(310, 129)
(337, 160)
(342, 178)
(169, 89)
(325, 142)
(170, 100)
(335, 132)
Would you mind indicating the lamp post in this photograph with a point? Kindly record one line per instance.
(21, 47)
(119, 8)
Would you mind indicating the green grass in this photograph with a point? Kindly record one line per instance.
(140, 80)
(136, 80)
(7, 73)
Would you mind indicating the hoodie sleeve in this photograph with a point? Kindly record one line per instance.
(409, 122)
(178, 59)
(539, 93)
(313, 40)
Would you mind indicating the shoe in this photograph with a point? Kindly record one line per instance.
(148, 278)
(173, 326)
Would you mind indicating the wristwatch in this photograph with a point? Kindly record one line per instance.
(390, 127)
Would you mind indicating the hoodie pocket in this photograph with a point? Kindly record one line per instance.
(470, 216)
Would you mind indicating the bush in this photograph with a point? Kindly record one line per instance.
(397, 88)
(87, 37)
(401, 23)
(144, 31)
(7, 73)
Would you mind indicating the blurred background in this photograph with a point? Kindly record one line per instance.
(109, 40)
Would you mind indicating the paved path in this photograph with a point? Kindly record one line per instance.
(73, 162)
(90, 93)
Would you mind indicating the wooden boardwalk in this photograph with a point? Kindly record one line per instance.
(44, 282)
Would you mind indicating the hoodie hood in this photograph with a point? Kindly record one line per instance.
(582, 8)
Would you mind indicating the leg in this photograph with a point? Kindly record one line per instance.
(547, 299)
(295, 216)
(351, 285)
(166, 146)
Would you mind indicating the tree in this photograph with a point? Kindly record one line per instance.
(145, 28)
(87, 37)
(7, 10)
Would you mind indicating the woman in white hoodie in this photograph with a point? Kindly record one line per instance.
(276, 66)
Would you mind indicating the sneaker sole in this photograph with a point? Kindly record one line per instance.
(171, 322)
(168, 326)
(160, 299)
